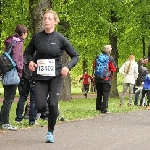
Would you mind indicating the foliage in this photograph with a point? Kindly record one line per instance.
(89, 25)
(13, 13)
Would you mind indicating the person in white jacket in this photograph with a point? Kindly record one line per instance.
(129, 70)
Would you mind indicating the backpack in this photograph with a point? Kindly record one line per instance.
(6, 62)
(102, 66)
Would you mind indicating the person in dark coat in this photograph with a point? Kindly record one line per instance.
(26, 87)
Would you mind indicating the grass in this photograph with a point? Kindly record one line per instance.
(76, 109)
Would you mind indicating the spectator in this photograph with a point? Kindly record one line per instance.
(10, 90)
(86, 79)
(26, 87)
(103, 86)
(129, 70)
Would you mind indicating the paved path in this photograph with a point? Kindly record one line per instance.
(128, 131)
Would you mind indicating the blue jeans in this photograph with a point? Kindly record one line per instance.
(136, 97)
(25, 88)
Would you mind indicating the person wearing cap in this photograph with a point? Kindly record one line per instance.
(129, 71)
(103, 86)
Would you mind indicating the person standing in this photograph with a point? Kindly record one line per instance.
(10, 90)
(86, 79)
(103, 85)
(142, 71)
(26, 87)
(47, 69)
(129, 70)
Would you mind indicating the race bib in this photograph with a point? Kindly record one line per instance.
(46, 67)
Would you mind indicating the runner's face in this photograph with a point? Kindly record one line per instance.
(48, 21)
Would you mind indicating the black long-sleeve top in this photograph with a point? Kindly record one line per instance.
(50, 46)
(142, 73)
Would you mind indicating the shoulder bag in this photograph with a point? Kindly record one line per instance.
(11, 77)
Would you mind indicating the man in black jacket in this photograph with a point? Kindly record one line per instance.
(26, 87)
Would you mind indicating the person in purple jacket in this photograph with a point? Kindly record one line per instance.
(10, 90)
(146, 90)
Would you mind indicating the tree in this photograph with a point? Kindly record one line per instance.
(88, 26)
(113, 41)
(36, 9)
(63, 27)
(1, 3)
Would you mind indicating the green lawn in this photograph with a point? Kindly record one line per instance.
(76, 108)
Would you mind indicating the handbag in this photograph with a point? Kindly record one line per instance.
(11, 77)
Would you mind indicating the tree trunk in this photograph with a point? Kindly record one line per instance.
(143, 44)
(1, 6)
(113, 41)
(66, 91)
(36, 9)
(84, 65)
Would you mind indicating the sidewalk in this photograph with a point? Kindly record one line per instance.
(128, 131)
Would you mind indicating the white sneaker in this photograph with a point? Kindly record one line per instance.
(8, 127)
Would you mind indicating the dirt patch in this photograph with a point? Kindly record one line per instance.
(82, 96)
(74, 96)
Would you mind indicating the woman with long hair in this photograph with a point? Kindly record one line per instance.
(129, 70)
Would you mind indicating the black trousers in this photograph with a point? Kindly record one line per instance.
(103, 92)
(51, 89)
(144, 93)
(9, 95)
(26, 87)
(85, 88)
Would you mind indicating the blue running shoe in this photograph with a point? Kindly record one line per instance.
(49, 137)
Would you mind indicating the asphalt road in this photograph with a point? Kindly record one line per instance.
(128, 131)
